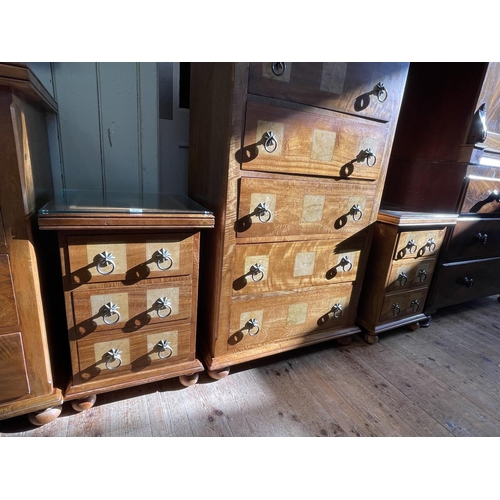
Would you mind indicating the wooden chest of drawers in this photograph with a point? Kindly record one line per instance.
(446, 158)
(130, 274)
(400, 269)
(291, 158)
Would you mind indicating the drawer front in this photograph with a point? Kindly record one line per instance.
(118, 354)
(407, 274)
(284, 266)
(481, 195)
(282, 140)
(419, 244)
(474, 238)
(465, 281)
(132, 257)
(130, 308)
(400, 305)
(270, 319)
(346, 87)
(296, 208)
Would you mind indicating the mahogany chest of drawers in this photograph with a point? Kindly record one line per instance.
(130, 268)
(291, 158)
(446, 158)
(400, 268)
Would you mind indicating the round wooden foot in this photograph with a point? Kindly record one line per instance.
(84, 404)
(370, 339)
(45, 416)
(344, 340)
(218, 374)
(414, 326)
(187, 380)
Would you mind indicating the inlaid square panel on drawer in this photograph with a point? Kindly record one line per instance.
(400, 305)
(270, 207)
(284, 266)
(270, 319)
(138, 351)
(418, 244)
(133, 257)
(481, 195)
(474, 237)
(407, 274)
(130, 308)
(346, 87)
(318, 143)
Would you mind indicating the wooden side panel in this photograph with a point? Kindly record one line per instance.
(13, 375)
(8, 310)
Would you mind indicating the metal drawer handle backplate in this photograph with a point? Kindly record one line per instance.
(368, 156)
(271, 143)
(411, 246)
(263, 212)
(162, 256)
(113, 355)
(468, 282)
(415, 304)
(431, 243)
(380, 91)
(257, 272)
(395, 309)
(337, 310)
(105, 259)
(356, 212)
(253, 327)
(403, 279)
(164, 347)
(110, 310)
(345, 263)
(482, 238)
(422, 274)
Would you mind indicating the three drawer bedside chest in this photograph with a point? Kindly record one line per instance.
(400, 267)
(130, 267)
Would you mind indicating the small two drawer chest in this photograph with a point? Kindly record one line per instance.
(130, 275)
(402, 259)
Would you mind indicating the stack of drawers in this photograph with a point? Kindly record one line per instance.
(291, 158)
(400, 269)
(131, 297)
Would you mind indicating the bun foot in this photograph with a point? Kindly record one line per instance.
(45, 416)
(344, 340)
(370, 339)
(218, 374)
(188, 380)
(414, 326)
(84, 404)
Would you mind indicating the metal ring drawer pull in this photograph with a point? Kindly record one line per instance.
(337, 310)
(257, 272)
(113, 355)
(411, 246)
(468, 282)
(356, 212)
(161, 304)
(431, 243)
(110, 310)
(368, 156)
(403, 279)
(380, 91)
(251, 325)
(263, 212)
(415, 304)
(105, 260)
(278, 68)
(482, 238)
(422, 274)
(395, 309)
(345, 262)
(271, 143)
(163, 255)
(164, 346)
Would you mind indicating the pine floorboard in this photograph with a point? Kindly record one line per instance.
(443, 381)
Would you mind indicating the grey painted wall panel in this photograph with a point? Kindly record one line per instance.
(75, 88)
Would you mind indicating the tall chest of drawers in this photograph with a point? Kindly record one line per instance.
(446, 158)
(130, 268)
(291, 158)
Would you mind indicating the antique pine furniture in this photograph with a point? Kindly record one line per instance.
(446, 158)
(402, 259)
(291, 158)
(130, 273)
(27, 384)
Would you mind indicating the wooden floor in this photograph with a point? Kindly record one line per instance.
(438, 381)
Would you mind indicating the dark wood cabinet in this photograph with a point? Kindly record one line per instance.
(291, 158)
(446, 158)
